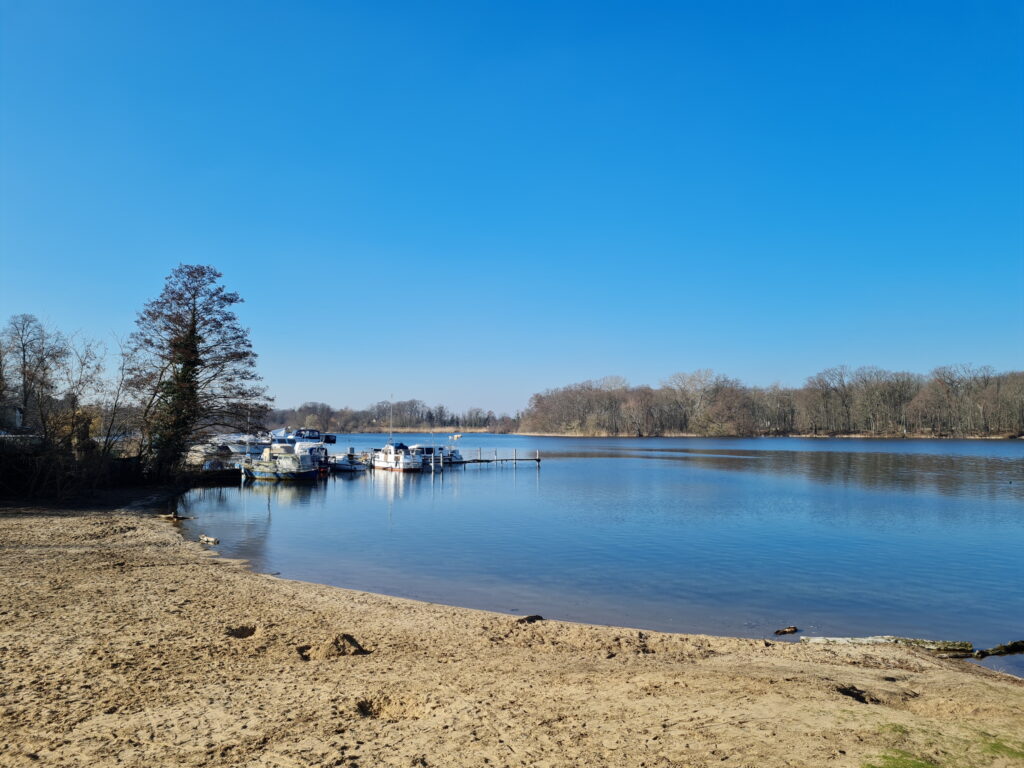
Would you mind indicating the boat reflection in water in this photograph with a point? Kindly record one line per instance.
(411, 485)
(284, 494)
(714, 536)
(395, 485)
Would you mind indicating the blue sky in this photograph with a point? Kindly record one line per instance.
(471, 202)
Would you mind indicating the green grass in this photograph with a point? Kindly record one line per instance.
(900, 759)
(997, 747)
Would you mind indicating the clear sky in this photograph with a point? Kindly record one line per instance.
(471, 202)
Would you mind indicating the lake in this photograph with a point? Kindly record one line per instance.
(922, 538)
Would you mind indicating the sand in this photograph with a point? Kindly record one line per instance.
(123, 644)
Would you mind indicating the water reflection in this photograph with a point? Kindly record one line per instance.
(250, 535)
(990, 476)
(682, 535)
(285, 493)
(394, 485)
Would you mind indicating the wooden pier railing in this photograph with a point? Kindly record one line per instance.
(432, 464)
(514, 458)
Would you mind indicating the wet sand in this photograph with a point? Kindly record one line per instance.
(123, 644)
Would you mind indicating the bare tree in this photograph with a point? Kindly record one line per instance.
(67, 413)
(37, 354)
(116, 412)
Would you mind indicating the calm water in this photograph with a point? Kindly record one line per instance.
(733, 536)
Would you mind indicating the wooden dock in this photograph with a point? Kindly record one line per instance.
(514, 459)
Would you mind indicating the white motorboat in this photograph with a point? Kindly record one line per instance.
(316, 451)
(395, 457)
(285, 436)
(244, 445)
(281, 463)
(436, 455)
(346, 462)
(250, 447)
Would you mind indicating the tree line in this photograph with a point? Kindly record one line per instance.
(951, 401)
(74, 413)
(77, 413)
(403, 414)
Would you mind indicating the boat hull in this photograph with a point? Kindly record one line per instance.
(302, 475)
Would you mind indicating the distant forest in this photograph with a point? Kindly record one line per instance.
(406, 414)
(951, 401)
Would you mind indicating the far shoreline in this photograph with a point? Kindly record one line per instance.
(483, 431)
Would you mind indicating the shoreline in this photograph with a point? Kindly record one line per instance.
(484, 431)
(770, 437)
(124, 643)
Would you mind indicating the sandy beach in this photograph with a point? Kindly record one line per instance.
(123, 644)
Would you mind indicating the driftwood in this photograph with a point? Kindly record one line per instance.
(208, 539)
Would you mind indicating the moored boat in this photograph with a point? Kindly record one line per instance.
(246, 445)
(436, 455)
(285, 436)
(395, 457)
(280, 463)
(316, 451)
(346, 462)
(311, 436)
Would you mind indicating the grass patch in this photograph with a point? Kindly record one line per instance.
(900, 759)
(997, 747)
